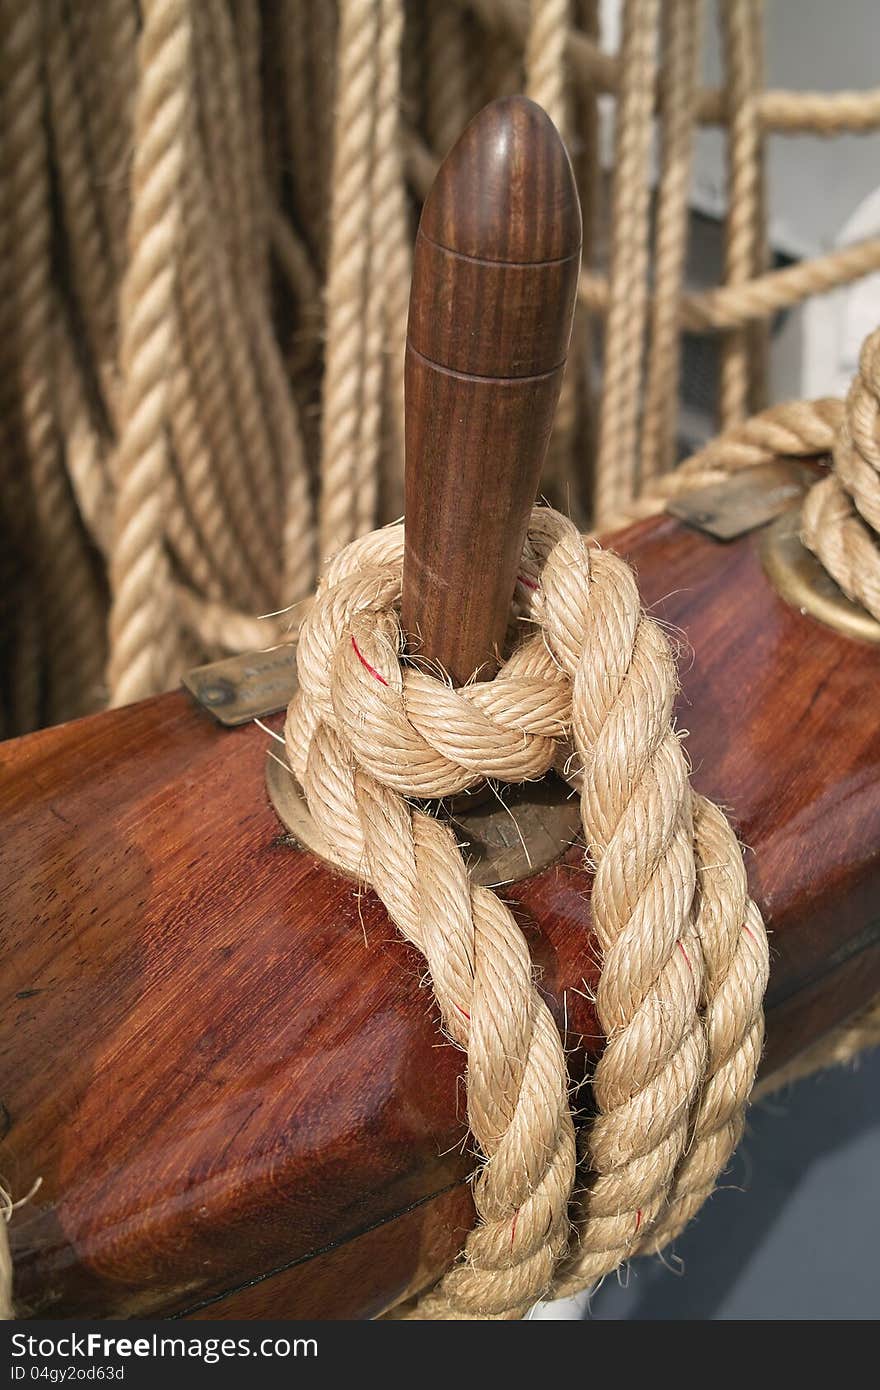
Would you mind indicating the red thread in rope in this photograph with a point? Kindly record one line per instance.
(363, 660)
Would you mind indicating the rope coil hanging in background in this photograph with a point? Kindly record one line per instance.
(165, 183)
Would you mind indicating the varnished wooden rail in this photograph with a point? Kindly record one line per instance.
(217, 1054)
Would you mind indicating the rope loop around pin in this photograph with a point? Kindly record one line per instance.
(410, 728)
(684, 955)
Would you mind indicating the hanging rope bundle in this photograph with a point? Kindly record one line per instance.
(684, 949)
(208, 215)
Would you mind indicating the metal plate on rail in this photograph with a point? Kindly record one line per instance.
(803, 582)
(509, 834)
(743, 501)
(506, 832)
(242, 688)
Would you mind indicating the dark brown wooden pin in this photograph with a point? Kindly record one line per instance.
(494, 281)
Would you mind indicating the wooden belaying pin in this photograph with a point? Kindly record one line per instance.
(495, 275)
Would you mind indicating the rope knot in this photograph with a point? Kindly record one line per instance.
(412, 730)
(679, 998)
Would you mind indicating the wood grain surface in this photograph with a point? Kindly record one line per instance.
(224, 1064)
(495, 273)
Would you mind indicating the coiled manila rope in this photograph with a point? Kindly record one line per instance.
(684, 951)
(841, 516)
(257, 479)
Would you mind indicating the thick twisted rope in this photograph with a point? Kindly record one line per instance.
(346, 282)
(140, 617)
(246, 476)
(744, 196)
(68, 589)
(7, 1311)
(682, 35)
(547, 84)
(625, 330)
(662, 961)
(730, 306)
(380, 453)
(92, 269)
(365, 733)
(816, 113)
(545, 57)
(841, 516)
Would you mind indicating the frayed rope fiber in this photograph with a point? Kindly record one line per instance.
(589, 690)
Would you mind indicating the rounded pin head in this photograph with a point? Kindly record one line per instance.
(495, 274)
(506, 191)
